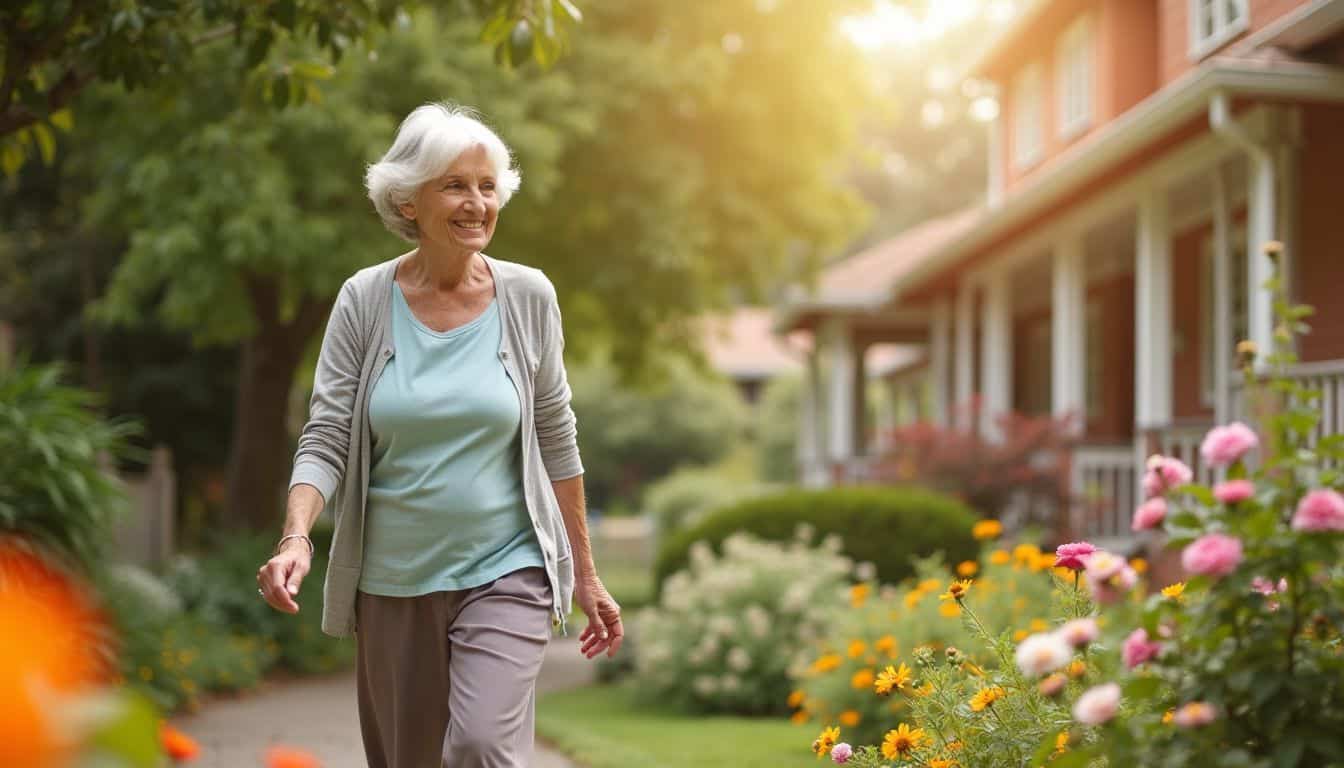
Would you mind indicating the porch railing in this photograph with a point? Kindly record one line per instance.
(1182, 442)
(1325, 377)
(1104, 483)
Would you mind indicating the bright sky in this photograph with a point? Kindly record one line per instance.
(894, 24)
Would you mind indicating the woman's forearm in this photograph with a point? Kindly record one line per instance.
(302, 510)
(569, 493)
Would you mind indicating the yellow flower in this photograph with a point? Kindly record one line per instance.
(1077, 668)
(1000, 557)
(902, 741)
(1038, 625)
(1043, 562)
(950, 610)
(986, 697)
(942, 762)
(913, 597)
(1139, 565)
(856, 648)
(1168, 716)
(1020, 635)
(924, 690)
(1062, 742)
(892, 678)
(824, 742)
(850, 718)
(954, 746)
(826, 663)
(799, 717)
(1026, 554)
(861, 679)
(885, 644)
(930, 585)
(795, 699)
(956, 590)
(1174, 591)
(967, 568)
(987, 529)
(858, 594)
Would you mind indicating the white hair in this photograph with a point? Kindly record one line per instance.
(427, 143)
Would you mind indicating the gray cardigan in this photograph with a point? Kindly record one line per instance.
(334, 449)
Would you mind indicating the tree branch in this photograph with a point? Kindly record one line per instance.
(20, 59)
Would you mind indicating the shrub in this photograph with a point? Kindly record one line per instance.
(52, 489)
(881, 525)
(722, 637)
(684, 497)
(884, 625)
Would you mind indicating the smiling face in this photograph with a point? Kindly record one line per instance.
(458, 209)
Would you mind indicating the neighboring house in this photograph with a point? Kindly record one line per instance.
(1144, 151)
(742, 346)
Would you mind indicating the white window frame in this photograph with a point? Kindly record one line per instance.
(1074, 70)
(1237, 290)
(1028, 116)
(1223, 25)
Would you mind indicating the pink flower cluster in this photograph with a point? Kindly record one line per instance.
(1224, 446)
(1109, 577)
(1071, 555)
(841, 753)
(1097, 705)
(1320, 510)
(1138, 648)
(1234, 491)
(1215, 555)
(1150, 514)
(1165, 473)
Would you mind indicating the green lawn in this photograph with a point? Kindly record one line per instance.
(603, 727)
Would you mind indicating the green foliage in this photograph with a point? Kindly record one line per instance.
(886, 526)
(725, 630)
(53, 487)
(54, 50)
(885, 625)
(776, 431)
(683, 497)
(630, 435)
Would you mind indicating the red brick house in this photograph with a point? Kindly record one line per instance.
(1143, 152)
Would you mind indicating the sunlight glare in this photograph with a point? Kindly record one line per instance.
(887, 25)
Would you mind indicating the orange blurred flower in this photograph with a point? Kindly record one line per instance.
(178, 745)
(289, 757)
(51, 634)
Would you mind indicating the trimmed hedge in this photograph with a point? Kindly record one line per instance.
(884, 525)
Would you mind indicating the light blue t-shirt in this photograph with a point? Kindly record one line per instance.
(445, 503)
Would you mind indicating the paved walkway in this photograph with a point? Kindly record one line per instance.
(319, 715)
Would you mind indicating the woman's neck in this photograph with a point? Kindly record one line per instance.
(439, 268)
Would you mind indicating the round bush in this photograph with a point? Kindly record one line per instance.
(886, 526)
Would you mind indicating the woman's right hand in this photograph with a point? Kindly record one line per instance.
(279, 579)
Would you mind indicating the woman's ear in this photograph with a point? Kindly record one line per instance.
(407, 210)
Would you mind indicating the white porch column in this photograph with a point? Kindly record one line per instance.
(940, 360)
(1260, 229)
(1068, 364)
(996, 351)
(1223, 343)
(964, 353)
(1152, 313)
(841, 375)
(811, 470)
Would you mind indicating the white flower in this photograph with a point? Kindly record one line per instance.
(730, 683)
(739, 660)
(804, 533)
(1043, 652)
(1097, 705)
(705, 685)
(865, 571)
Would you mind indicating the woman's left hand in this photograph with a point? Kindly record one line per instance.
(604, 631)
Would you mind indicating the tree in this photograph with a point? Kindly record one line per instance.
(54, 49)
(681, 154)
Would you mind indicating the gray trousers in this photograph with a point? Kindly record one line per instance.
(448, 679)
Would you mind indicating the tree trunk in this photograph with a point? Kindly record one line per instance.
(260, 452)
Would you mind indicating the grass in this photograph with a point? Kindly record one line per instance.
(606, 727)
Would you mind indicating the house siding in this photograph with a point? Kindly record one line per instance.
(1320, 258)
(1174, 31)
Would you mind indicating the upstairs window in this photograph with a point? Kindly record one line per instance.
(1214, 22)
(1027, 108)
(1073, 59)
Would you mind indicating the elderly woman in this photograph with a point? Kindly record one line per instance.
(441, 435)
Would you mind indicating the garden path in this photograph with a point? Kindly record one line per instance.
(318, 714)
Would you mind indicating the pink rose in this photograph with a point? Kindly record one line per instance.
(1110, 590)
(841, 753)
(1165, 473)
(1097, 705)
(1213, 555)
(1071, 555)
(1194, 714)
(1320, 510)
(1102, 565)
(1234, 491)
(1138, 648)
(1225, 445)
(1149, 514)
